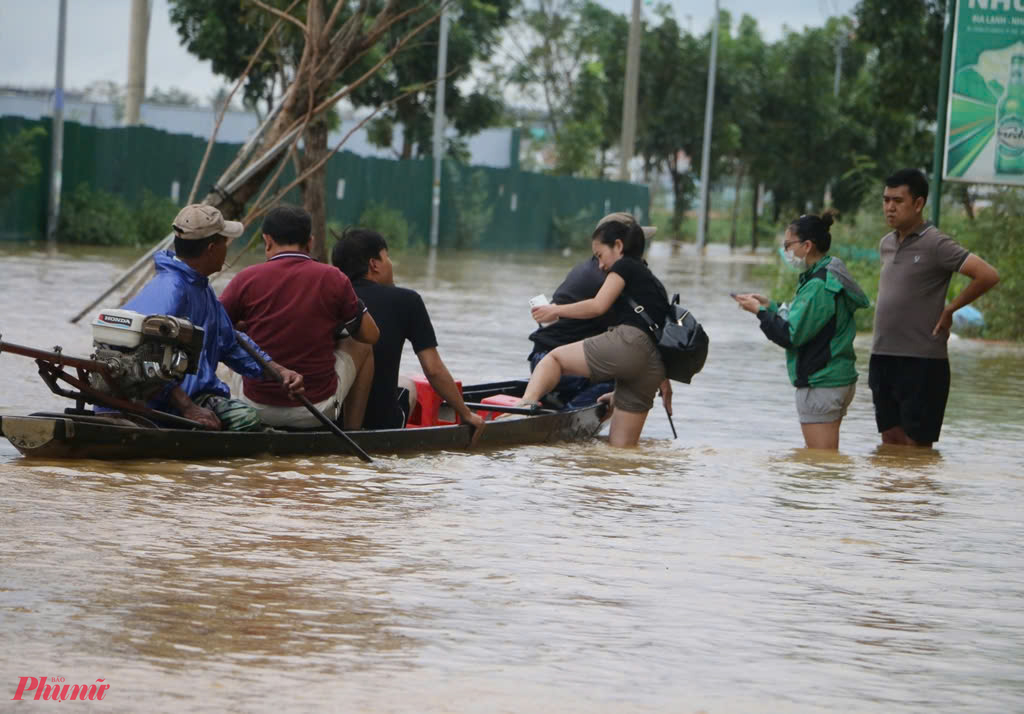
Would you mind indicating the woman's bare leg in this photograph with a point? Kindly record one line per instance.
(567, 359)
(822, 436)
(626, 427)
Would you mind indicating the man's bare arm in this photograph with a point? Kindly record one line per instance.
(983, 278)
(441, 380)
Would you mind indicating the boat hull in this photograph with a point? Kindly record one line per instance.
(74, 436)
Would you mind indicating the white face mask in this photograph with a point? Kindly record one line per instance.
(792, 260)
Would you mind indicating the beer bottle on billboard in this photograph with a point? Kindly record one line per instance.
(1010, 122)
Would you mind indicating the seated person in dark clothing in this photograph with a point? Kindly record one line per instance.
(362, 255)
(582, 283)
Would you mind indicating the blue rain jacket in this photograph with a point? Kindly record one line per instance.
(180, 291)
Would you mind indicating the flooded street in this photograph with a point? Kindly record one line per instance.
(725, 571)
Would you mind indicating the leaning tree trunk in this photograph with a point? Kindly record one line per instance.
(314, 192)
(966, 199)
(678, 209)
(330, 50)
(331, 47)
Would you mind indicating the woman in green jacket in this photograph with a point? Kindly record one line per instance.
(817, 330)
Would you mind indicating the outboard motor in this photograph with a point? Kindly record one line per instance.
(144, 352)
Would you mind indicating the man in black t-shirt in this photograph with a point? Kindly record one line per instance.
(582, 282)
(362, 254)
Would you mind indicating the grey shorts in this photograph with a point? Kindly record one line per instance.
(821, 405)
(627, 355)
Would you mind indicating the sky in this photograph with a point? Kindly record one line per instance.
(97, 38)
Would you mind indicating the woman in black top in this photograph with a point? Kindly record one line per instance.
(626, 352)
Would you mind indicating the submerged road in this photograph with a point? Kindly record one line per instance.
(725, 571)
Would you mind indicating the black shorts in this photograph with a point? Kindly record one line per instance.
(910, 392)
(398, 415)
(394, 417)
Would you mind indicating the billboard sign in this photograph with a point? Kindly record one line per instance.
(985, 107)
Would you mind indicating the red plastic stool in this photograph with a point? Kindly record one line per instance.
(428, 405)
(505, 400)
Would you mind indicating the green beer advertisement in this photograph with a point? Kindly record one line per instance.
(985, 119)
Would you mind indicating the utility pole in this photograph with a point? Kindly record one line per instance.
(439, 123)
(138, 43)
(57, 131)
(840, 46)
(629, 95)
(939, 155)
(705, 154)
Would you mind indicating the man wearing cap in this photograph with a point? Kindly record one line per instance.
(293, 306)
(181, 288)
(582, 283)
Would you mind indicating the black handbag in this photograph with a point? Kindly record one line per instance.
(682, 342)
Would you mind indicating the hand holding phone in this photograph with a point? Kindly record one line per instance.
(539, 301)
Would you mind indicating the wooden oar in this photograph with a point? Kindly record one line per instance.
(352, 446)
(531, 411)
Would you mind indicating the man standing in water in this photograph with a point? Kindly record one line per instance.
(909, 369)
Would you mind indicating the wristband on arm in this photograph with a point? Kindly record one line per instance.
(351, 327)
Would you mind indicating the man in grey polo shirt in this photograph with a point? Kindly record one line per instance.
(909, 370)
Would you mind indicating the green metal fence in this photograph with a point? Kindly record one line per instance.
(486, 208)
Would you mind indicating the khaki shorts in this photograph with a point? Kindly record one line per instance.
(627, 355)
(299, 417)
(823, 405)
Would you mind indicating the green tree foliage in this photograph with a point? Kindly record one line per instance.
(95, 217)
(390, 223)
(670, 123)
(474, 210)
(560, 51)
(227, 34)
(172, 96)
(470, 106)
(671, 108)
(997, 235)
(19, 160)
(890, 104)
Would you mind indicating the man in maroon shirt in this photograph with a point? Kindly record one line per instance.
(293, 306)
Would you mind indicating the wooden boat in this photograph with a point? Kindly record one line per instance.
(79, 434)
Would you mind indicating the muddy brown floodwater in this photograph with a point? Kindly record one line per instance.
(725, 571)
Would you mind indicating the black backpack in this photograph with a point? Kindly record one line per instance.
(682, 342)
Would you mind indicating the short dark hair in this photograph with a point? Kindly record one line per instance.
(288, 225)
(631, 235)
(913, 179)
(815, 229)
(194, 248)
(355, 249)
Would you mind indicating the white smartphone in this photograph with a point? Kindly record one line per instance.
(537, 301)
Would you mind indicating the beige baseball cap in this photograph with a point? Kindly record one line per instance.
(627, 218)
(201, 221)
